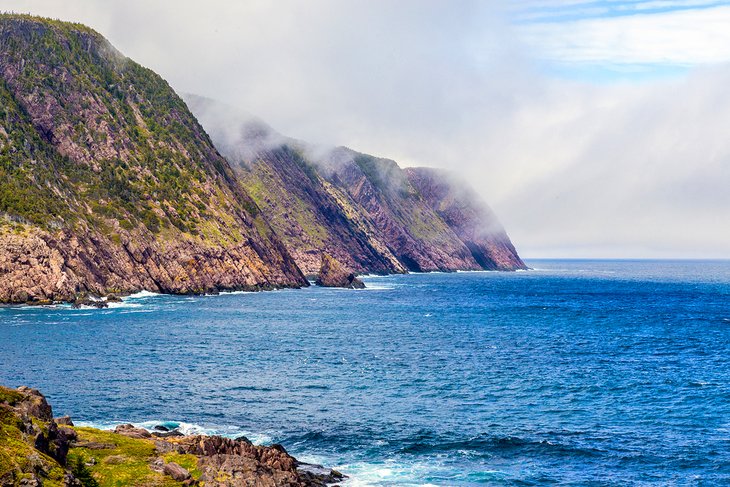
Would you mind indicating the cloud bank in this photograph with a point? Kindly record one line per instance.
(591, 168)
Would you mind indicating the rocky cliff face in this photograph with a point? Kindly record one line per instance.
(311, 215)
(366, 212)
(468, 216)
(109, 184)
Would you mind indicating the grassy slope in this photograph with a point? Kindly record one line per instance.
(126, 463)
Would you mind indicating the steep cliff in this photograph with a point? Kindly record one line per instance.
(364, 211)
(468, 216)
(109, 184)
(311, 215)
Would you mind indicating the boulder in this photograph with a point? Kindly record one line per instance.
(176, 472)
(334, 274)
(132, 431)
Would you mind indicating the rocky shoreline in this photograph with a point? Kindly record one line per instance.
(40, 450)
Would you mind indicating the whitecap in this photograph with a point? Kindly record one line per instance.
(143, 294)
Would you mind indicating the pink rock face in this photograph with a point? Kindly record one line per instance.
(364, 211)
(469, 217)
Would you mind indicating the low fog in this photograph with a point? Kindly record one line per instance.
(575, 163)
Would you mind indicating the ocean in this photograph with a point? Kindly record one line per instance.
(574, 373)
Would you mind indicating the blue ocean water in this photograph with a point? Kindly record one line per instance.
(576, 373)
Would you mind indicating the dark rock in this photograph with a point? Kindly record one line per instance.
(34, 404)
(333, 274)
(159, 427)
(168, 433)
(64, 420)
(176, 472)
(113, 298)
(243, 439)
(319, 475)
(88, 301)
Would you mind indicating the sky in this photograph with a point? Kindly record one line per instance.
(594, 129)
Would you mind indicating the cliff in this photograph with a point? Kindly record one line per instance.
(366, 212)
(38, 450)
(109, 184)
(468, 216)
(310, 215)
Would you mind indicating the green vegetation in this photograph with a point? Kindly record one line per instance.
(113, 460)
(126, 463)
(270, 192)
(132, 156)
(17, 455)
(79, 469)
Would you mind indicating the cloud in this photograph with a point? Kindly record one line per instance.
(685, 37)
(572, 168)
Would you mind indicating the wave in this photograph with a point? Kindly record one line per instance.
(143, 294)
(375, 287)
(487, 445)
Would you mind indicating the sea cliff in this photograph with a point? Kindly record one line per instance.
(365, 211)
(109, 184)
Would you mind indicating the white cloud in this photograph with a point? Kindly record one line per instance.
(680, 37)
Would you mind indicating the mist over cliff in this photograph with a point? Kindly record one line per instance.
(365, 211)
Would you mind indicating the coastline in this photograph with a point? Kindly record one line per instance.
(39, 449)
(88, 300)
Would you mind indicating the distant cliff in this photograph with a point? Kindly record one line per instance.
(468, 216)
(367, 212)
(109, 184)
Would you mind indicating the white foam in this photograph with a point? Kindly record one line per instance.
(143, 294)
(376, 287)
(388, 472)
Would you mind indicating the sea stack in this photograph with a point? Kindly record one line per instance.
(333, 274)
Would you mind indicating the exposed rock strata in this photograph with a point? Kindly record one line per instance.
(364, 211)
(468, 216)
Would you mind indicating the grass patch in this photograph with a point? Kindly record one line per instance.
(128, 463)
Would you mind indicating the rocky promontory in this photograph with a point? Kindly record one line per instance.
(110, 185)
(38, 450)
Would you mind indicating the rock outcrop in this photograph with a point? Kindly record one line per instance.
(333, 274)
(109, 184)
(364, 211)
(35, 451)
(33, 448)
